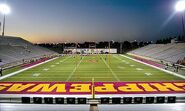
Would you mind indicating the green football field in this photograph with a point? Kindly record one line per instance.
(100, 67)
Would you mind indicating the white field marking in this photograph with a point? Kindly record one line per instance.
(124, 61)
(22, 70)
(169, 72)
(148, 74)
(121, 67)
(65, 59)
(115, 76)
(121, 60)
(64, 77)
(78, 76)
(46, 69)
(132, 65)
(52, 66)
(57, 63)
(60, 62)
(36, 74)
(139, 69)
(86, 77)
(69, 77)
(88, 71)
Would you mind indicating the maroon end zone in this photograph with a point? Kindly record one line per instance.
(68, 88)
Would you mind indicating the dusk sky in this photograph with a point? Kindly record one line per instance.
(91, 20)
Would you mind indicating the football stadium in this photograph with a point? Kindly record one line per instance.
(106, 75)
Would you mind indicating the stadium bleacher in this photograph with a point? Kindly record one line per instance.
(182, 62)
(14, 49)
(172, 52)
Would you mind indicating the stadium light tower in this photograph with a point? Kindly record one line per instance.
(4, 9)
(180, 7)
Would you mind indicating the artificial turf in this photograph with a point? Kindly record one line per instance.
(102, 68)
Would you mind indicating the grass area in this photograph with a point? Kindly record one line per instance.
(100, 67)
(8, 71)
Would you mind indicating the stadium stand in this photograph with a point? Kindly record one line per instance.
(15, 50)
(182, 62)
(171, 53)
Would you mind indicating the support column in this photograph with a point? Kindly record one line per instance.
(93, 107)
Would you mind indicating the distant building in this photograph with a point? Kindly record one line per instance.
(174, 40)
(90, 50)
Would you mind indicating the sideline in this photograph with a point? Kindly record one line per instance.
(169, 72)
(14, 73)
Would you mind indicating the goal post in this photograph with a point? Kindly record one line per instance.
(92, 48)
(93, 89)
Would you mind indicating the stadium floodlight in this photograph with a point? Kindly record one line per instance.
(4, 9)
(180, 6)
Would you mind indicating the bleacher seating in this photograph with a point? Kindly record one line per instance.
(14, 49)
(172, 52)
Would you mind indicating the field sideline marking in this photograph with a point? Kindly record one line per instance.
(14, 73)
(169, 72)
(22, 70)
(85, 77)
(69, 77)
(115, 76)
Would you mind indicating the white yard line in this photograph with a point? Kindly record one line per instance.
(69, 77)
(22, 70)
(119, 58)
(169, 72)
(115, 76)
(148, 74)
(139, 69)
(36, 74)
(46, 69)
(64, 59)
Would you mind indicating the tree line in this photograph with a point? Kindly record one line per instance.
(122, 47)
